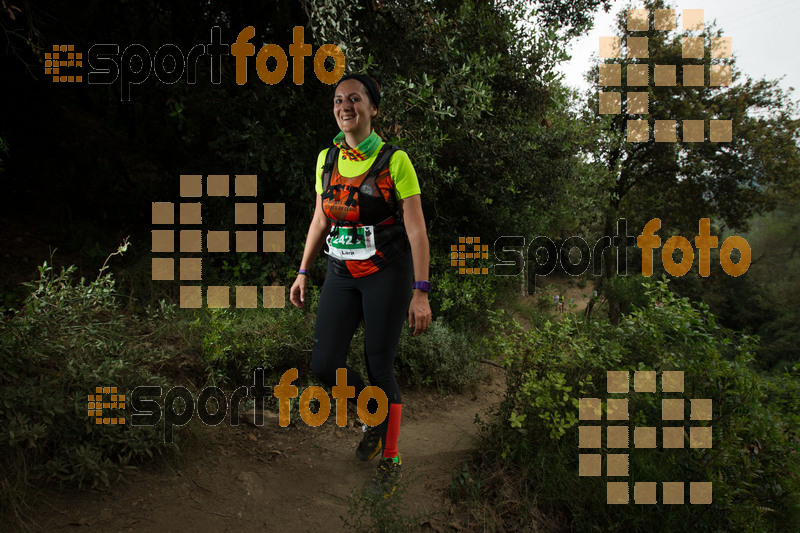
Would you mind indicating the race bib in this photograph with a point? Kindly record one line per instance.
(352, 243)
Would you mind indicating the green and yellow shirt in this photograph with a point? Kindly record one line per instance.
(366, 229)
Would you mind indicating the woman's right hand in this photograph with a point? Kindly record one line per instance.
(297, 294)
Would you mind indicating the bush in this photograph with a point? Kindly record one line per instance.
(461, 300)
(234, 342)
(66, 339)
(544, 298)
(382, 514)
(628, 291)
(442, 357)
(754, 463)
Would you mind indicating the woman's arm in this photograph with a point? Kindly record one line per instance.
(317, 232)
(419, 312)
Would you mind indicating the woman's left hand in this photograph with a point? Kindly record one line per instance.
(419, 312)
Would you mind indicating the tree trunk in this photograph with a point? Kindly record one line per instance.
(612, 214)
(609, 262)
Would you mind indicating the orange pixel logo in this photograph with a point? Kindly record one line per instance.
(63, 55)
(195, 241)
(96, 405)
(459, 255)
(618, 438)
(638, 75)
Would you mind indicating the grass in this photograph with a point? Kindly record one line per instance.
(378, 514)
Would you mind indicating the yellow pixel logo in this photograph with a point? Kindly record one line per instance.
(618, 437)
(194, 241)
(459, 254)
(638, 75)
(97, 404)
(62, 57)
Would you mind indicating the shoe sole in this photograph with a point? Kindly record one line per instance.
(394, 487)
(373, 492)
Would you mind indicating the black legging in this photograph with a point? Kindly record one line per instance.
(382, 300)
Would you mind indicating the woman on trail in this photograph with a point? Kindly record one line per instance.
(369, 212)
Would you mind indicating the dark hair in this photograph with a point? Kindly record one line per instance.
(373, 87)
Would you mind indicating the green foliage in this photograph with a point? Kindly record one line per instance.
(545, 298)
(628, 291)
(66, 339)
(336, 21)
(572, 17)
(442, 357)
(683, 182)
(375, 513)
(524, 308)
(233, 342)
(772, 305)
(755, 459)
(465, 483)
(765, 300)
(469, 109)
(461, 300)
(475, 106)
(237, 269)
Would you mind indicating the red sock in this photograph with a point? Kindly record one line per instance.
(392, 430)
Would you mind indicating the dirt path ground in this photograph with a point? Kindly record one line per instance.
(281, 479)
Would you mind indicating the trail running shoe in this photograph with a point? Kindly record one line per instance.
(386, 478)
(371, 443)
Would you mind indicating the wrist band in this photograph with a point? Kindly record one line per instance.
(303, 272)
(422, 285)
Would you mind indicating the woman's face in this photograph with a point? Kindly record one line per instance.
(352, 108)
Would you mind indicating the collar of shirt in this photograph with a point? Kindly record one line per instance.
(361, 152)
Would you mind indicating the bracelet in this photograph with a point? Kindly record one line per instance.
(303, 272)
(422, 285)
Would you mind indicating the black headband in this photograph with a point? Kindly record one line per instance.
(369, 83)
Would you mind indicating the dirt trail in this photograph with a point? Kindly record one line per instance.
(270, 478)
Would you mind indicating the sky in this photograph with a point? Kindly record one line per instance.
(763, 34)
